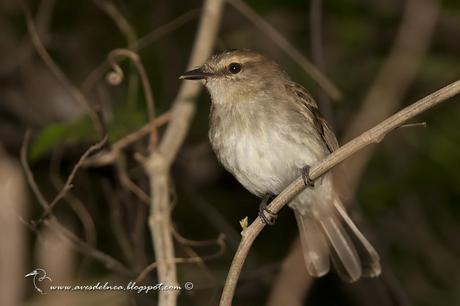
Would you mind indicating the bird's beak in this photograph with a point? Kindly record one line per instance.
(30, 274)
(195, 74)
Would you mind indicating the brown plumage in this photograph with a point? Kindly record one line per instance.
(264, 129)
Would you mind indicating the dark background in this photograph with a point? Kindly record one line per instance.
(407, 198)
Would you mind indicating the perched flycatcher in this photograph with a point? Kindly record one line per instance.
(266, 129)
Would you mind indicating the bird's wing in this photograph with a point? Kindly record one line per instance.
(320, 123)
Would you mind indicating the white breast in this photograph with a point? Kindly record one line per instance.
(258, 154)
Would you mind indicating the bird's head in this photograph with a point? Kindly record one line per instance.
(236, 74)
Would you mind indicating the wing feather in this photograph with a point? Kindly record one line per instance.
(310, 105)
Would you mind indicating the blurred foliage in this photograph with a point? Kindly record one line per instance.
(54, 134)
(125, 120)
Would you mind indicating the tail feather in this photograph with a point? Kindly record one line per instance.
(332, 233)
(343, 250)
(314, 244)
(370, 259)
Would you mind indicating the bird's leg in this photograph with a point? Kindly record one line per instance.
(270, 220)
(306, 176)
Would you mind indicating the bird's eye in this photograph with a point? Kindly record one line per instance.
(234, 68)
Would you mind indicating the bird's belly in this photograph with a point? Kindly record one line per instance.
(264, 163)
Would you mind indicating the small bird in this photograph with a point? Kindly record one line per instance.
(266, 130)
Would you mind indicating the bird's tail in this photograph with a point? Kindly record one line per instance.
(332, 236)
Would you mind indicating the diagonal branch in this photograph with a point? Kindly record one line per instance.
(383, 98)
(138, 45)
(161, 157)
(287, 47)
(53, 223)
(58, 73)
(394, 78)
(374, 135)
(69, 182)
(108, 157)
(183, 107)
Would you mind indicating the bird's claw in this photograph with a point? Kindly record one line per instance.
(266, 215)
(306, 176)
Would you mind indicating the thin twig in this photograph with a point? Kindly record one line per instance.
(415, 124)
(183, 108)
(86, 249)
(140, 44)
(317, 54)
(25, 48)
(293, 282)
(116, 76)
(136, 135)
(110, 156)
(196, 243)
(160, 159)
(122, 24)
(212, 215)
(52, 222)
(291, 285)
(160, 31)
(396, 74)
(74, 202)
(220, 241)
(117, 221)
(48, 207)
(68, 184)
(58, 73)
(130, 36)
(393, 80)
(43, 17)
(287, 47)
(126, 181)
(29, 175)
(373, 135)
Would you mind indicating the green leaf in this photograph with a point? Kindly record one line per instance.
(124, 121)
(61, 133)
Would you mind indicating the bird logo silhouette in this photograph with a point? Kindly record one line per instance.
(39, 275)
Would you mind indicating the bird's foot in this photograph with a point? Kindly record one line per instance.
(268, 217)
(306, 176)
